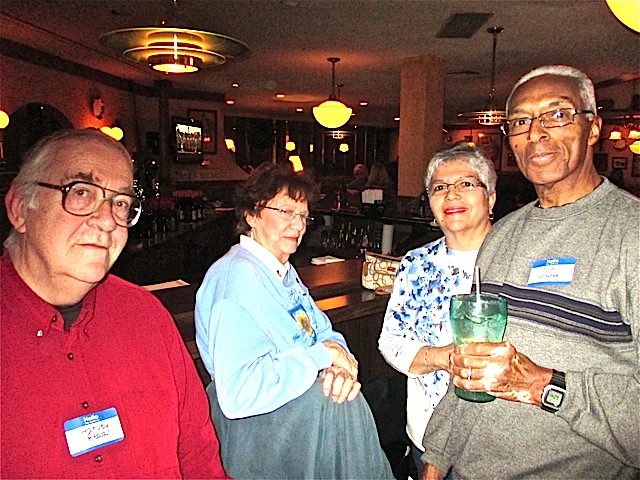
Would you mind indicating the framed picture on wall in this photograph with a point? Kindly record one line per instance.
(209, 121)
(601, 162)
(619, 163)
(491, 145)
(635, 166)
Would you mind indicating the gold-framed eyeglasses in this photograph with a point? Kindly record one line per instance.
(560, 117)
(290, 215)
(465, 184)
(84, 198)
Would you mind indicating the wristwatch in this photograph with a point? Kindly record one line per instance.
(553, 394)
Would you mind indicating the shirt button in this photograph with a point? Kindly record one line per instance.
(40, 333)
(54, 319)
(70, 356)
(85, 404)
(98, 458)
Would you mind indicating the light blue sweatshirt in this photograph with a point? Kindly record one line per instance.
(250, 331)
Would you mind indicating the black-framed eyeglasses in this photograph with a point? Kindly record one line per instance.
(560, 117)
(84, 198)
(466, 184)
(290, 215)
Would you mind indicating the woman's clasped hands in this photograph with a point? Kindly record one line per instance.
(340, 380)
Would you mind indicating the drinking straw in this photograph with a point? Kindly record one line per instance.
(477, 277)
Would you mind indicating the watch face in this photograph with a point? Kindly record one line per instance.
(554, 398)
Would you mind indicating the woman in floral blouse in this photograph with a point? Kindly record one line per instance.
(416, 334)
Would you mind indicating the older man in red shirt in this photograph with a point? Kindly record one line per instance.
(96, 381)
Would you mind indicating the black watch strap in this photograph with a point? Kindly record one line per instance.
(553, 394)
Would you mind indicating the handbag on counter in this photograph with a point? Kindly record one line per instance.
(379, 270)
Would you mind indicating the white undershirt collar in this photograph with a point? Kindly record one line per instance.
(265, 256)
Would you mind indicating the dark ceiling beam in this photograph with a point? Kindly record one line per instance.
(47, 60)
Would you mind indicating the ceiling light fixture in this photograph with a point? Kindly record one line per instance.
(173, 49)
(332, 113)
(631, 140)
(490, 114)
(627, 11)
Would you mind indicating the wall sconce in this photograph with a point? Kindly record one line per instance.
(297, 163)
(231, 145)
(114, 132)
(4, 122)
(4, 119)
(97, 107)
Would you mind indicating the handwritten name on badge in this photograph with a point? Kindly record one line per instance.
(96, 430)
(552, 271)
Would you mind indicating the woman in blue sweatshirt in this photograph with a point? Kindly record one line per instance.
(284, 384)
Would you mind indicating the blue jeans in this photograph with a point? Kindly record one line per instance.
(417, 453)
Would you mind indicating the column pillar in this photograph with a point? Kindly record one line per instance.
(421, 118)
(164, 162)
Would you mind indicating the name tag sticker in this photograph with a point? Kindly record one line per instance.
(552, 271)
(93, 431)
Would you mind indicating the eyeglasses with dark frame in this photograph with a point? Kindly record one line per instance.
(560, 117)
(466, 184)
(82, 199)
(289, 215)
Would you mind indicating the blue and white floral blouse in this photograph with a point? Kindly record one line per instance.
(417, 315)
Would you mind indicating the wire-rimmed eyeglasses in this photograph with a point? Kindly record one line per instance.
(560, 117)
(465, 184)
(289, 215)
(84, 198)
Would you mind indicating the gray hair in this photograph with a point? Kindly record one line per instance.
(585, 85)
(472, 156)
(41, 157)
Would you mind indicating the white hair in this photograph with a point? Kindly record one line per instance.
(585, 85)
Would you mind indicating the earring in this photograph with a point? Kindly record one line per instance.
(251, 234)
(490, 215)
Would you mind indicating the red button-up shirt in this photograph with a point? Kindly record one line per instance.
(123, 351)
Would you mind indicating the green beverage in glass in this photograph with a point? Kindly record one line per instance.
(477, 318)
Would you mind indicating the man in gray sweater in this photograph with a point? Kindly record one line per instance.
(567, 377)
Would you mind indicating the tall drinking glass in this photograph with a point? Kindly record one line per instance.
(477, 318)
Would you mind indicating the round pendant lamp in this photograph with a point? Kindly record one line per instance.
(332, 113)
(627, 11)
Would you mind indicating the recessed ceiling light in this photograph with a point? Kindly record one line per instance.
(230, 102)
(299, 109)
(397, 119)
(280, 95)
(235, 85)
(364, 103)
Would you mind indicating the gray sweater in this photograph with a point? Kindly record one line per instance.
(589, 329)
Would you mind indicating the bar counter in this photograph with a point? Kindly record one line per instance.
(355, 312)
